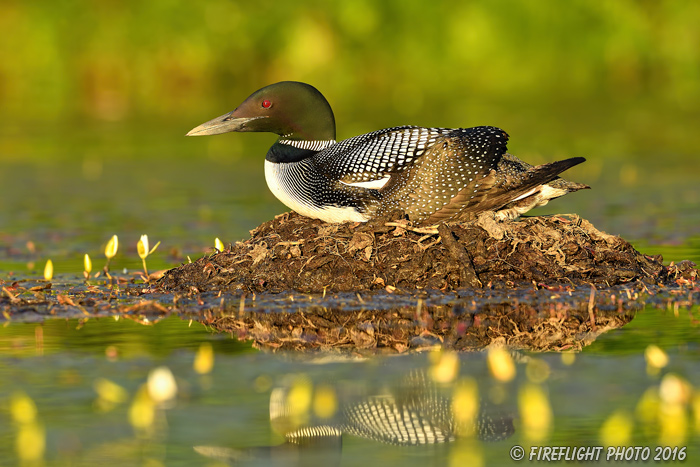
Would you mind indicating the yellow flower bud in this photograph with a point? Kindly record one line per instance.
(48, 270)
(142, 247)
(112, 247)
(87, 263)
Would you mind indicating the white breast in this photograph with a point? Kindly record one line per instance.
(286, 189)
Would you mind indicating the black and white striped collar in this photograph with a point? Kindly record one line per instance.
(316, 145)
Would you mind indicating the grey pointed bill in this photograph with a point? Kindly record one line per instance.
(223, 124)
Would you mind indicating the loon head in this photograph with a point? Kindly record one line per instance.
(293, 110)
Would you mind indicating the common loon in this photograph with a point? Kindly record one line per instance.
(431, 174)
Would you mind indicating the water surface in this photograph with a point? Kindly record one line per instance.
(59, 365)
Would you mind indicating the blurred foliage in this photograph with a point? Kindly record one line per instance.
(90, 89)
(117, 60)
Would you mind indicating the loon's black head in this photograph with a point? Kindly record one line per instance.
(294, 110)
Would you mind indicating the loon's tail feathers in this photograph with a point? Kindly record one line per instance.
(516, 191)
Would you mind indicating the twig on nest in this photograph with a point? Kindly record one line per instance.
(433, 230)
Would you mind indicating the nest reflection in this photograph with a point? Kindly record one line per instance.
(526, 319)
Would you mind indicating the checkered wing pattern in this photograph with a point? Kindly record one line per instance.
(374, 155)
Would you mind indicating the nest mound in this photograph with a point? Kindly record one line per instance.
(292, 252)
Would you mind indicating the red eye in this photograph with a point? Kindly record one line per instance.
(266, 104)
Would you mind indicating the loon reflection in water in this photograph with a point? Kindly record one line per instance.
(416, 412)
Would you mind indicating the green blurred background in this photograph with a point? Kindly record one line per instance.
(95, 98)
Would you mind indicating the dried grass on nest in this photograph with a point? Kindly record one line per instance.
(292, 252)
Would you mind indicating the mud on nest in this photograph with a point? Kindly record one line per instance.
(292, 252)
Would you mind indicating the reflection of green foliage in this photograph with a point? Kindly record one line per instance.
(643, 330)
(114, 60)
(130, 338)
